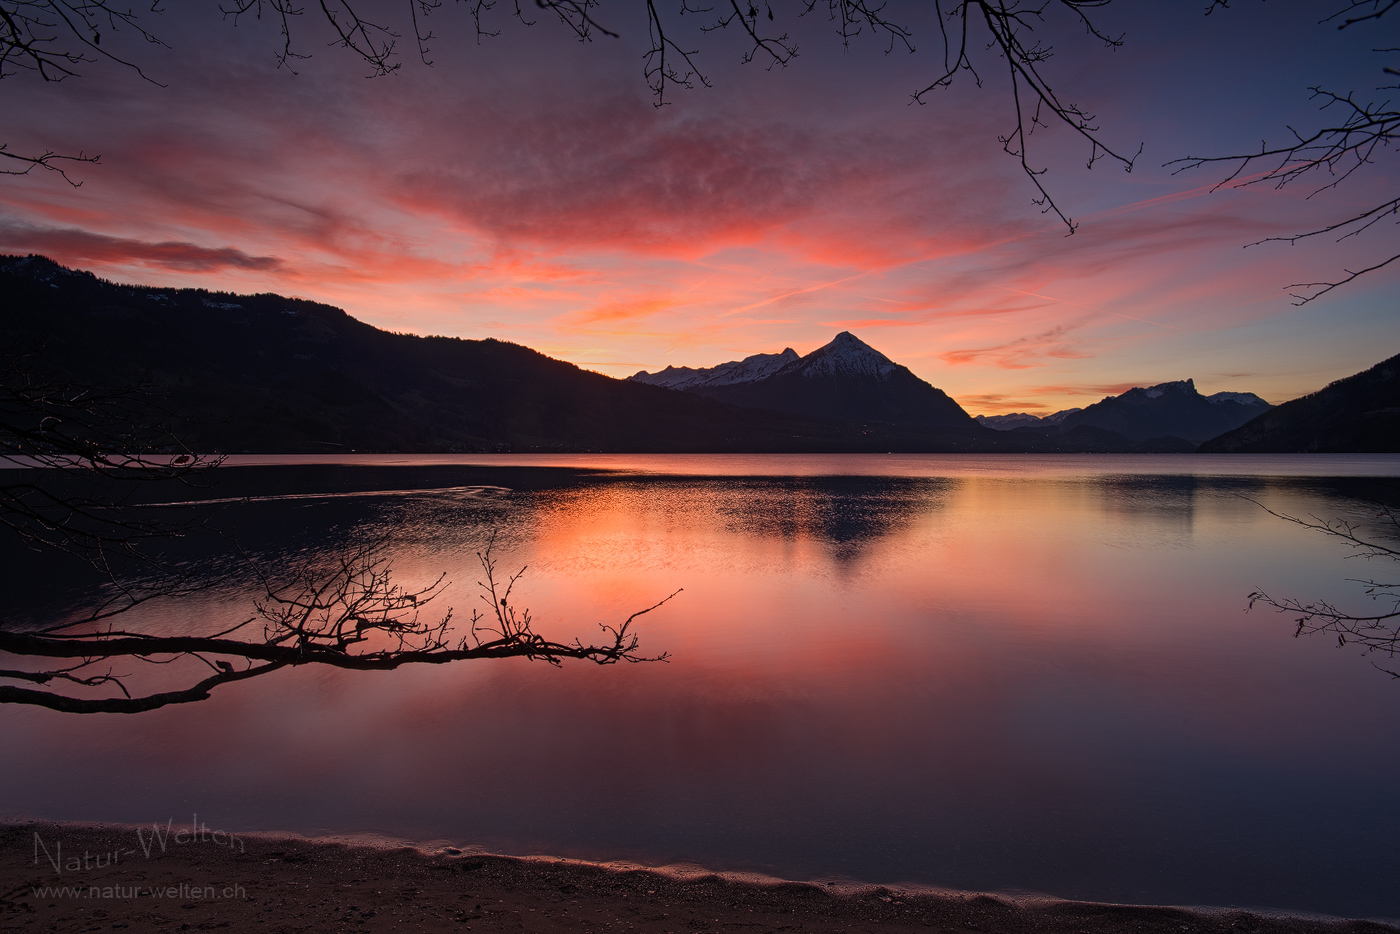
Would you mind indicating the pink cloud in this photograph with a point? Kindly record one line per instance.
(76, 247)
(612, 174)
(1022, 352)
(552, 206)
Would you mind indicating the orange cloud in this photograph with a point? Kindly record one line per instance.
(621, 311)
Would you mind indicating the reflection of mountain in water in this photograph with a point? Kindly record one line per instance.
(1163, 507)
(842, 516)
(845, 514)
(435, 517)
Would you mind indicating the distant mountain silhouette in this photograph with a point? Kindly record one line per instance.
(1358, 414)
(263, 373)
(845, 379)
(1165, 417)
(1173, 410)
(1024, 420)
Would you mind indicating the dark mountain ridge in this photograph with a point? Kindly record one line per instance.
(1144, 413)
(264, 373)
(1173, 409)
(1358, 414)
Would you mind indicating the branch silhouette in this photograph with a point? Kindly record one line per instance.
(56, 38)
(346, 613)
(1324, 157)
(1377, 632)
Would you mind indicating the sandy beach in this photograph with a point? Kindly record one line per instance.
(83, 877)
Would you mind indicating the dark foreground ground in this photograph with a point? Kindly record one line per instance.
(110, 878)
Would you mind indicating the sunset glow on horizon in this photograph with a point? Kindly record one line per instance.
(527, 189)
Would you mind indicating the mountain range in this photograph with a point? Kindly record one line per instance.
(1167, 410)
(736, 371)
(850, 380)
(1024, 420)
(846, 379)
(264, 373)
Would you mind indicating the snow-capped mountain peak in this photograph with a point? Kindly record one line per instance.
(845, 380)
(846, 355)
(1184, 386)
(1239, 398)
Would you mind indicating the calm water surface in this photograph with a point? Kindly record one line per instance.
(1015, 673)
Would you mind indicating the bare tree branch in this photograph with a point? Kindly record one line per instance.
(1011, 26)
(52, 39)
(347, 613)
(1378, 9)
(1377, 632)
(1326, 156)
(1322, 288)
(14, 163)
(283, 10)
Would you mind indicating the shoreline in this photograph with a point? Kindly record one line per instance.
(89, 876)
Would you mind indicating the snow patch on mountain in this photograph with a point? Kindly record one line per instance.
(1187, 387)
(1183, 386)
(40, 268)
(1239, 398)
(756, 367)
(846, 356)
(1009, 421)
(1024, 420)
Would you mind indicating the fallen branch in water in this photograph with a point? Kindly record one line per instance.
(349, 613)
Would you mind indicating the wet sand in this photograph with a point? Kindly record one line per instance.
(71, 877)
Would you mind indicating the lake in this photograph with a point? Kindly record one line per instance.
(1015, 673)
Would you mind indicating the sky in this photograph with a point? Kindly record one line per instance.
(525, 187)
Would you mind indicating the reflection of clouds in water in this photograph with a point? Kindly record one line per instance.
(1130, 506)
(844, 514)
